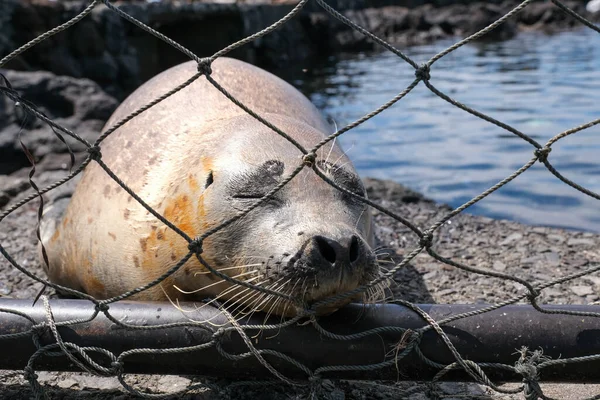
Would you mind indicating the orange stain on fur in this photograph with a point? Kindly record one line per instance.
(193, 183)
(55, 236)
(163, 247)
(163, 244)
(180, 212)
(95, 287)
(207, 166)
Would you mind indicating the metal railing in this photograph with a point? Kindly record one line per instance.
(409, 342)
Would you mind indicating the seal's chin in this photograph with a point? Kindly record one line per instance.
(325, 297)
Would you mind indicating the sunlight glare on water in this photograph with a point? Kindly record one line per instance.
(538, 84)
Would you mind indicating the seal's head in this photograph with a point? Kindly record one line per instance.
(309, 241)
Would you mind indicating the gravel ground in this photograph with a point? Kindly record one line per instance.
(537, 254)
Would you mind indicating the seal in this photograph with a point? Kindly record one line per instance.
(198, 160)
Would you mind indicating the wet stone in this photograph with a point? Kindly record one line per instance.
(594, 279)
(445, 292)
(499, 266)
(582, 290)
(511, 239)
(556, 238)
(580, 242)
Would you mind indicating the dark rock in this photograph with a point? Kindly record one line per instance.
(76, 104)
(11, 186)
(102, 69)
(86, 41)
(62, 62)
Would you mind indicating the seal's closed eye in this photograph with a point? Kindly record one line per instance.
(256, 184)
(343, 178)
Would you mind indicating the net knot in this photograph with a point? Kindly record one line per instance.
(542, 154)
(527, 367)
(422, 72)
(102, 307)
(532, 295)
(29, 373)
(95, 153)
(204, 66)
(426, 240)
(309, 159)
(39, 329)
(218, 334)
(195, 246)
(117, 368)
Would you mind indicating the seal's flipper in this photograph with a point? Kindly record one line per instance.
(53, 215)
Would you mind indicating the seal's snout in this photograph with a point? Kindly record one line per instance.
(332, 264)
(329, 252)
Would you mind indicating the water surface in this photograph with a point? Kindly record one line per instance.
(539, 84)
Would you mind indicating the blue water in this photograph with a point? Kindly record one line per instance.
(539, 84)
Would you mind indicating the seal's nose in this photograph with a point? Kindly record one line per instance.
(334, 252)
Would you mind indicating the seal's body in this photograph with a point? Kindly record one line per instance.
(198, 159)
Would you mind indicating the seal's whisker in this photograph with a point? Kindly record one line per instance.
(379, 247)
(340, 167)
(212, 284)
(268, 314)
(273, 307)
(249, 309)
(359, 217)
(380, 255)
(250, 293)
(253, 308)
(230, 290)
(197, 308)
(384, 261)
(227, 269)
(377, 293)
(276, 301)
(331, 148)
(225, 307)
(257, 257)
(274, 288)
(282, 315)
(245, 304)
(304, 288)
(178, 307)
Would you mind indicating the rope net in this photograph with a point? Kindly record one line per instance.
(530, 364)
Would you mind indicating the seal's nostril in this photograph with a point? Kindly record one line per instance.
(354, 249)
(325, 249)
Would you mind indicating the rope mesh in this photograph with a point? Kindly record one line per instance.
(529, 365)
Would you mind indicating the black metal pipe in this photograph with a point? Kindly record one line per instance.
(492, 337)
